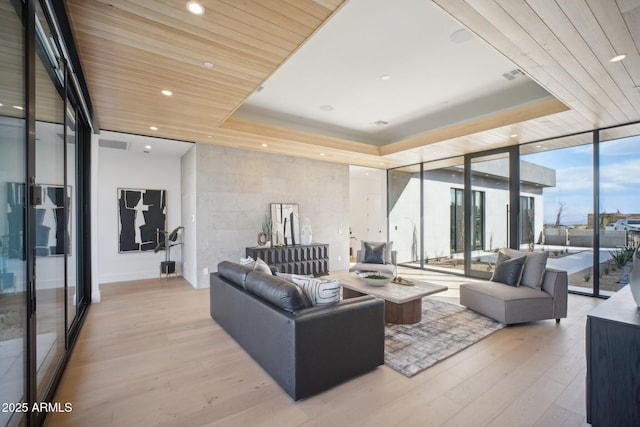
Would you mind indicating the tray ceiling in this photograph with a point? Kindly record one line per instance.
(308, 54)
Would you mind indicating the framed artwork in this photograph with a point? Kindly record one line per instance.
(285, 225)
(140, 213)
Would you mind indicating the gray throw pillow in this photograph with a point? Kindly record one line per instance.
(374, 254)
(508, 271)
(388, 248)
(534, 267)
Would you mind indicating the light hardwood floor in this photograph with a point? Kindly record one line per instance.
(150, 354)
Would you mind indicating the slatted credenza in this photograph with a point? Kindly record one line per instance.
(296, 259)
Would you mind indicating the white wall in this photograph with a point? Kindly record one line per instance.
(367, 205)
(236, 186)
(124, 169)
(189, 210)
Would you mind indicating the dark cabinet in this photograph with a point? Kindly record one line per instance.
(296, 259)
(613, 362)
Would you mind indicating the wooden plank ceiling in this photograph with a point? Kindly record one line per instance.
(130, 50)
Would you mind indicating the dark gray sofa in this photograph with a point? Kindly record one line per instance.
(305, 349)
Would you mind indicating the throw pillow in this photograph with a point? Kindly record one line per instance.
(260, 265)
(388, 248)
(508, 271)
(534, 267)
(374, 254)
(248, 262)
(318, 291)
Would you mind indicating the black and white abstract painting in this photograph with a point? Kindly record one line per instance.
(52, 221)
(285, 225)
(140, 213)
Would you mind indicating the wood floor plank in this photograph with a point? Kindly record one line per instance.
(149, 354)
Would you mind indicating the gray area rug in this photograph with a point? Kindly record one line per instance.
(444, 330)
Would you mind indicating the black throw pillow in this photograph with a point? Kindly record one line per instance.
(509, 271)
(374, 254)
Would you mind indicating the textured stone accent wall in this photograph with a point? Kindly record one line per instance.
(235, 187)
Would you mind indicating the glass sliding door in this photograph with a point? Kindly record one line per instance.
(70, 208)
(51, 219)
(557, 178)
(404, 204)
(490, 211)
(13, 282)
(443, 229)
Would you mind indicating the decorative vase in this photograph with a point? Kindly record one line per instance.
(262, 238)
(305, 233)
(634, 279)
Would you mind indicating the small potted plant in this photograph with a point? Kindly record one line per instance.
(166, 240)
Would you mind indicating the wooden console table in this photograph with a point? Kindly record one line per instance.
(613, 362)
(296, 259)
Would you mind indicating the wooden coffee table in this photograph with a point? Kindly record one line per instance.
(403, 304)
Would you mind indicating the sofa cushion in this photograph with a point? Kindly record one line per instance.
(233, 272)
(507, 304)
(534, 267)
(275, 290)
(361, 266)
(388, 248)
(508, 270)
(318, 291)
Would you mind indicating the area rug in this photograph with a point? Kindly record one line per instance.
(445, 329)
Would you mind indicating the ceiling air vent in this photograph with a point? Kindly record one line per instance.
(380, 123)
(513, 74)
(116, 145)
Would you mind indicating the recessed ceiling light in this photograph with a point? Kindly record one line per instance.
(209, 136)
(148, 147)
(195, 7)
(322, 154)
(1, 104)
(618, 57)
(265, 145)
(17, 107)
(385, 77)
(207, 64)
(153, 128)
(326, 108)
(514, 135)
(166, 92)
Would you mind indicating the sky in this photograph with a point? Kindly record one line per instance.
(619, 180)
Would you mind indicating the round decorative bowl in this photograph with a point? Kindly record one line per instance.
(373, 278)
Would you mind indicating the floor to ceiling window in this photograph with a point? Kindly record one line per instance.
(558, 175)
(543, 202)
(490, 210)
(44, 251)
(13, 282)
(619, 204)
(443, 228)
(403, 188)
(51, 215)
